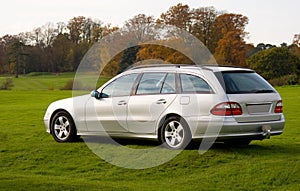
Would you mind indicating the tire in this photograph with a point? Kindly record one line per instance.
(175, 133)
(63, 127)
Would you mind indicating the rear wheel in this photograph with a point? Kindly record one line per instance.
(175, 133)
(63, 128)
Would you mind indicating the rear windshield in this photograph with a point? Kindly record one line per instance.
(241, 82)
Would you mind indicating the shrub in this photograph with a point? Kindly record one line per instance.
(7, 84)
(284, 80)
(77, 86)
(51, 88)
(275, 63)
(38, 73)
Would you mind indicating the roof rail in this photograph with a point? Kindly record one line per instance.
(204, 66)
(215, 65)
(159, 65)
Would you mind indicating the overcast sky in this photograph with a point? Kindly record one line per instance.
(270, 21)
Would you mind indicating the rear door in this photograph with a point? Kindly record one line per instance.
(154, 93)
(196, 99)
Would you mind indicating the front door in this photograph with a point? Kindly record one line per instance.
(109, 113)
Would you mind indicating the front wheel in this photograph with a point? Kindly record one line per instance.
(63, 128)
(175, 133)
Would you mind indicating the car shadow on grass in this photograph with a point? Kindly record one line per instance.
(119, 141)
(255, 147)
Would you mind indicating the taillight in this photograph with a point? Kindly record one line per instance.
(278, 107)
(227, 108)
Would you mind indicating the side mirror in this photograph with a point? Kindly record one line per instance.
(96, 94)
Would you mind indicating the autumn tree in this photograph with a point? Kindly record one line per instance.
(60, 53)
(82, 29)
(201, 22)
(296, 39)
(259, 47)
(83, 32)
(61, 28)
(128, 58)
(204, 26)
(12, 52)
(76, 26)
(2, 60)
(137, 30)
(3, 56)
(179, 16)
(293, 48)
(51, 47)
(47, 34)
(166, 54)
(231, 49)
(4, 64)
(100, 32)
(232, 22)
(141, 27)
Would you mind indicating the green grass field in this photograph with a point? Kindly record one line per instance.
(31, 160)
(51, 81)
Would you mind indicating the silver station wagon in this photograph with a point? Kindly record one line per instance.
(173, 104)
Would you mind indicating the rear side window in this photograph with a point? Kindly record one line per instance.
(157, 83)
(151, 83)
(245, 82)
(194, 84)
(169, 84)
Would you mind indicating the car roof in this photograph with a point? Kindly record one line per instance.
(227, 68)
(178, 67)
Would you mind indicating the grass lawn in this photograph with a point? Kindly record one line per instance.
(34, 81)
(31, 160)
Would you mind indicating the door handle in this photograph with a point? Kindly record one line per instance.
(161, 101)
(122, 102)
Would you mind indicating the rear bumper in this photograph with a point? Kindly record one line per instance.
(252, 136)
(230, 129)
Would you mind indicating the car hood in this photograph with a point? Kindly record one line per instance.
(72, 105)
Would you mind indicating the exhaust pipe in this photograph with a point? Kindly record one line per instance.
(266, 131)
(267, 134)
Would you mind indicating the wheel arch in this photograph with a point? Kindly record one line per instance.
(162, 119)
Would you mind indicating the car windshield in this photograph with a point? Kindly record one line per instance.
(244, 82)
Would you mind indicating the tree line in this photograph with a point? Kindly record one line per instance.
(60, 47)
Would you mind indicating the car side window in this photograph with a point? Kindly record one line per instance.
(151, 83)
(120, 87)
(169, 84)
(194, 84)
